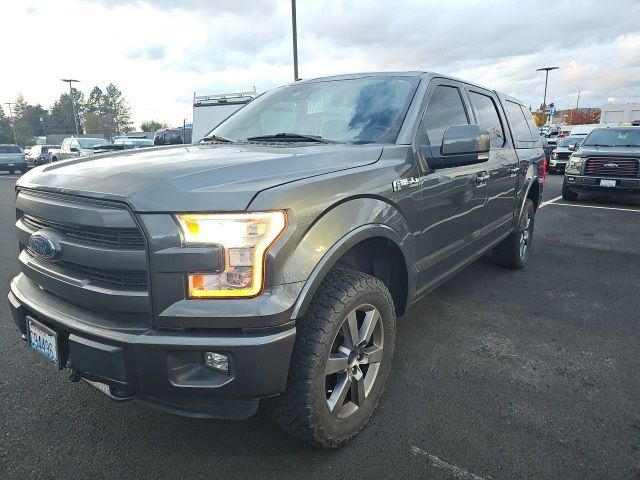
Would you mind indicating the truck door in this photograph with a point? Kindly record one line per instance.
(502, 164)
(453, 196)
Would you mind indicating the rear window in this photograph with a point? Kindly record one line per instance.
(10, 149)
(519, 126)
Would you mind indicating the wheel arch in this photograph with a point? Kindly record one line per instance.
(372, 249)
(340, 236)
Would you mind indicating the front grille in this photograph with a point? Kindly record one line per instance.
(121, 279)
(611, 167)
(125, 238)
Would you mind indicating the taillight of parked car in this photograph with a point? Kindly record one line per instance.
(545, 164)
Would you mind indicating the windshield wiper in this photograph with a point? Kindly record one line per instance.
(291, 137)
(598, 145)
(216, 138)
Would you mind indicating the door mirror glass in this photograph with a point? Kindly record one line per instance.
(73, 149)
(465, 139)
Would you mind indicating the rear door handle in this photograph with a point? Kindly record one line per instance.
(482, 177)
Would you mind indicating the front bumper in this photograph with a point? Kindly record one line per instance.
(582, 183)
(558, 162)
(163, 368)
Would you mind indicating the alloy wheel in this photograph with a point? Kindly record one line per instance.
(354, 361)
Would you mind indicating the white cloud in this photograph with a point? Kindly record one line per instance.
(160, 52)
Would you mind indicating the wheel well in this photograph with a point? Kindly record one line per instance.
(383, 259)
(534, 194)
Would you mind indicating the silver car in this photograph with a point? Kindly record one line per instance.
(12, 159)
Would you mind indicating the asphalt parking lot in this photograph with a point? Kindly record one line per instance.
(497, 375)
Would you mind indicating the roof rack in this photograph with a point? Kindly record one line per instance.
(223, 97)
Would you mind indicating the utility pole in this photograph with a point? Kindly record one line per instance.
(73, 102)
(546, 81)
(13, 122)
(295, 40)
(577, 106)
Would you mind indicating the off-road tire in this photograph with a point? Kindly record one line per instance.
(509, 253)
(303, 409)
(568, 194)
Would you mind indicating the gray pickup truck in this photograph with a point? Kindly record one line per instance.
(271, 260)
(606, 162)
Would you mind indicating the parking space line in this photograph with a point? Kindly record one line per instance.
(549, 202)
(595, 206)
(454, 470)
(11, 178)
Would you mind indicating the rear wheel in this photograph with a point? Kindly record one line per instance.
(513, 251)
(340, 361)
(568, 194)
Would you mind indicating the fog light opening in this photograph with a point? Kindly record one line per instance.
(217, 361)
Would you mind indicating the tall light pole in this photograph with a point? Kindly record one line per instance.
(295, 40)
(13, 123)
(73, 102)
(546, 81)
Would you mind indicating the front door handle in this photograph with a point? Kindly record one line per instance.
(514, 170)
(482, 177)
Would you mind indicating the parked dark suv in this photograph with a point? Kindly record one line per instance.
(606, 162)
(270, 261)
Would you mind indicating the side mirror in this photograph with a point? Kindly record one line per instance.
(573, 147)
(461, 145)
(73, 149)
(466, 139)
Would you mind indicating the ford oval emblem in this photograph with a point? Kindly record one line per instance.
(611, 165)
(44, 244)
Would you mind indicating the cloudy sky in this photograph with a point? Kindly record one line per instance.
(159, 52)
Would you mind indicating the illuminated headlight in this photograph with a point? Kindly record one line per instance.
(554, 155)
(245, 237)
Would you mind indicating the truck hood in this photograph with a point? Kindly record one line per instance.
(195, 177)
(608, 151)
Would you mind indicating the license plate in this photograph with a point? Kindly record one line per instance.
(607, 183)
(43, 340)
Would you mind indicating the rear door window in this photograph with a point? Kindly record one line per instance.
(519, 126)
(488, 117)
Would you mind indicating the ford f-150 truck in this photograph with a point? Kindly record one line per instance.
(607, 163)
(270, 261)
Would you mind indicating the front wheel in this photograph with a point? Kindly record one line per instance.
(513, 251)
(340, 361)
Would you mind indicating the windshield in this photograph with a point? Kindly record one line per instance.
(569, 140)
(361, 110)
(10, 149)
(91, 142)
(613, 137)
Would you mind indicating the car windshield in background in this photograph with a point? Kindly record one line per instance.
(91, 142)
(360, 110)
(613, 137)
(569, 140)
(10, 149)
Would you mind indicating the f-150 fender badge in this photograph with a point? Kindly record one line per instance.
(405, 182)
